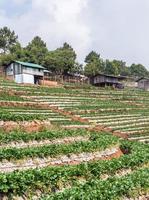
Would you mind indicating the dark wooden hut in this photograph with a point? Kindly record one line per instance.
(143, 83)
(103, 80)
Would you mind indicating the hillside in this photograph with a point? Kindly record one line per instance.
(74, 143)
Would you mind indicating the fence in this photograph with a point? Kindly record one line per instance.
(2, 72)
(67, 79)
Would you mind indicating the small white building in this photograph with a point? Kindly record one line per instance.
(23, 72)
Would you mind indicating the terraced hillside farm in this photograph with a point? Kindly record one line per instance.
(69, 143)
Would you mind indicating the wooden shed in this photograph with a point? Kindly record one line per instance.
(143, 83)
(103, 80)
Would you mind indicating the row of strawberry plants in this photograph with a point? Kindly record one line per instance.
(42, 89)
(67, 122)
(56, 178)
(113, 106)
(115, 187)
(98, 109)
(24, 110)
(96, 142)
(114, 111)
(17, 136)
(5, 96)
(8, 116)
(92, 91)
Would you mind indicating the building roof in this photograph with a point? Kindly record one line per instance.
(106, 75)
(31, 65)
(143, 78)
(47, 71)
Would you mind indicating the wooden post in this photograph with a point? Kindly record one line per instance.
(43, 79)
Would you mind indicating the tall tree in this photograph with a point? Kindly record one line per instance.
(111, 68)
(18, 52)
(62, 60)
(36, 51)
(67, 58)
(94, 64)
(120, 65)
(139, 70)
(92, 56)
(6, 59)
(125, 71)
(7, 39)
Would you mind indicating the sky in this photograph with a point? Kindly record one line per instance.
(117, 29)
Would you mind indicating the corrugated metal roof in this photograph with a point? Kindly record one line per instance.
(47, 71)
(107, 75)
(143, 78)
(31, 65)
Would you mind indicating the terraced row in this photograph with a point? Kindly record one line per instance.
(61, 182)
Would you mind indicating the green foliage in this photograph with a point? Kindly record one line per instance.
(94, 64)
(36, 51)
(6, 97)
(7, 39)
(99, 143)
(112, 68)
(48, 179)
(62, 60)
(116, 67)
(110, 189)
(139, 70)
(18, 52)
(8, 116)
(5, 59)
(77, 68)
(92, 56)
(49, 134)
(125, 71)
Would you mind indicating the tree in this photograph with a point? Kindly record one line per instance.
(18, 52)
(138, 70)
(36, 51)
(52, 62)
(78, 68)
(95, 64)
(92, 56)
(7, 39)
(67, 58)
(115, 67)
(120, 65)
(126, 71)
(6, 59)
(62, 60)
(92, 68)
(111, 68)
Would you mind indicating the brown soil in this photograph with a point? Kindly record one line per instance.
(12, 92)
(118, 154)
(96, 128)
(32, 126)
(35, 126)
(24, 104)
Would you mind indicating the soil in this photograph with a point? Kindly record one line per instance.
(26, 126)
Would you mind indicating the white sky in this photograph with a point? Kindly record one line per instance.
(117, 29)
